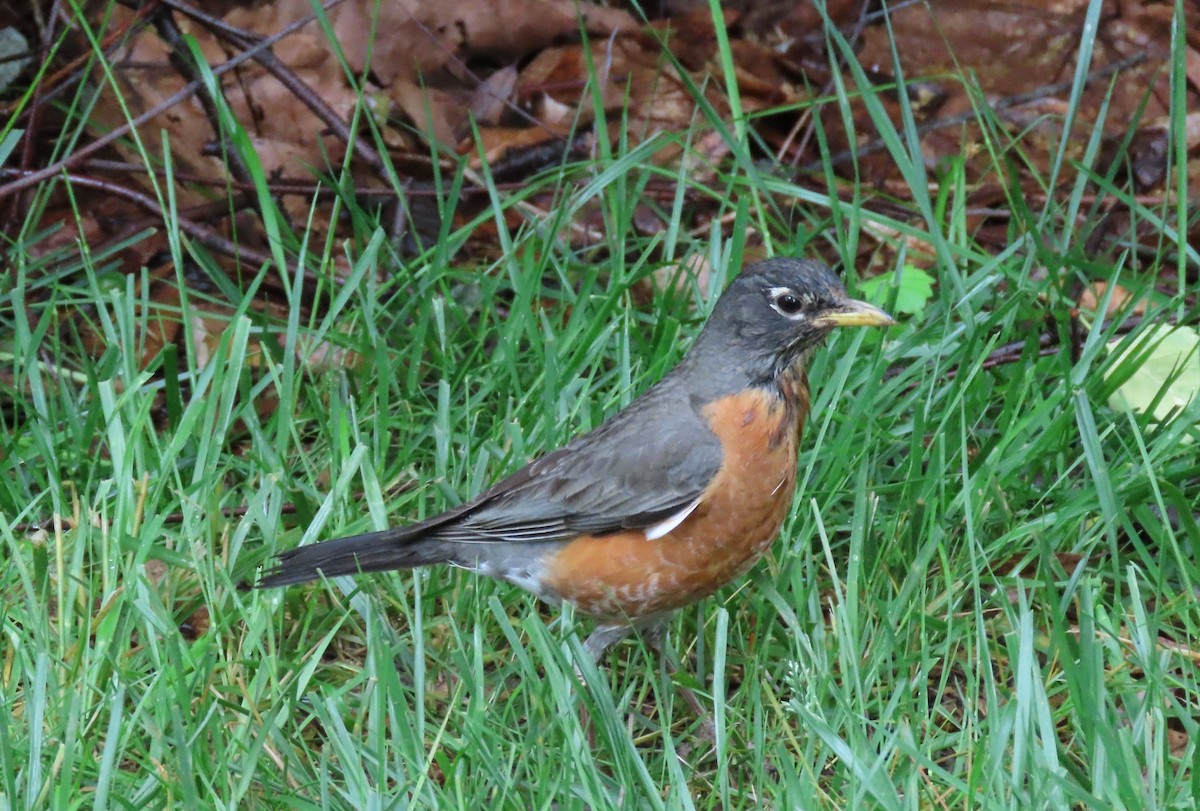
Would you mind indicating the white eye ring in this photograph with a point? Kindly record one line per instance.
(787, 303)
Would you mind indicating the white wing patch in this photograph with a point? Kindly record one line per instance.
(653, 533)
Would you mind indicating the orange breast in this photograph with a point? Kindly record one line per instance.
(627, 576)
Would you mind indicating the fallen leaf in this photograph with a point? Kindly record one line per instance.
(494, 94)
(674, 277)
(914, 288)
(1121, 298)
(1168, 361)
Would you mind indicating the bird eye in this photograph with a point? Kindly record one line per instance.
(788, 303)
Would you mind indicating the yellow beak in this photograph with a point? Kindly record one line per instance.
(853, 313)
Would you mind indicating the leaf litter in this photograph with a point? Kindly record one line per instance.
(517, 88)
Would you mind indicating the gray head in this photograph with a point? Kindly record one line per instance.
(773, 314)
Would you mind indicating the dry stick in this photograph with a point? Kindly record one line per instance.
(456, 63)
(878, 145)
(33, 178)
(35, 110)
(20, 56)
(199, 213)
(185, 63)
(307, 96)
(1048, 344)
(71, 73)
(204, 236)
(295, 186)
(1009, 353)
(286, 77)
(308, 189)
(808, 120)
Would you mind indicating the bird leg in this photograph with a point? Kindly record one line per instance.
(598, 641)
(655, 636)
(604, 637)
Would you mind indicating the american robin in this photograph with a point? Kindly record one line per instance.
(667, 501)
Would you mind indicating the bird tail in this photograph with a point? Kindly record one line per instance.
(372, 552)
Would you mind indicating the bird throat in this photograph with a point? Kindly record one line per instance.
(791, 389)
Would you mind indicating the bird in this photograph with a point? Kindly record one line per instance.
(674, 496)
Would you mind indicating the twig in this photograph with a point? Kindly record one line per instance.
(1048, 344)
(67, 76)
(307, 96)
(35, 110)
(185, 63)
(303, 188)
(201, 234)
(286, 77)
(807, 121)
(33, 178)
(879, 144)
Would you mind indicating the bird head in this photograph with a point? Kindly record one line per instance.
(777, 311)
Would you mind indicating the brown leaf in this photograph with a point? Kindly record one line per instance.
(492, 97)
(441, 115)
(424, 36)
(1093, 294)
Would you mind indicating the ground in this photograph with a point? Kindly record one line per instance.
(362, 281)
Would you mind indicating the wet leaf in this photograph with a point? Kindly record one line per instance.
(1166, 357)
(914, 288)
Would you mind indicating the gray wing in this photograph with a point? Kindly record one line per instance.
(646, 464)
(650, 461)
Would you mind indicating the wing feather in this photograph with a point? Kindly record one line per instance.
(612, 479)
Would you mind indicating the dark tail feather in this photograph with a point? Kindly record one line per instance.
(372, 552)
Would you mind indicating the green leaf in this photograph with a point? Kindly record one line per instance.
(913, 286)
(1167, 360)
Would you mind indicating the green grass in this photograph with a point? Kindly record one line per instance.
(918, 638)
